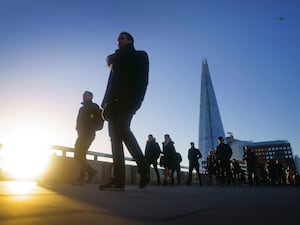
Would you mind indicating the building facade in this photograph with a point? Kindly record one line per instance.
(270, 151)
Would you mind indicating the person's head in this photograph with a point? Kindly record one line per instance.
(167, 137)
(87, 96)
(192, 144)
(220, 139)
(124, 39)
(150, 137)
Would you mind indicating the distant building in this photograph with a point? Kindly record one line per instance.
(265, 151)
(210, 123)
(274, 150)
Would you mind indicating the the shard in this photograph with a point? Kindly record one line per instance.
(210, 123)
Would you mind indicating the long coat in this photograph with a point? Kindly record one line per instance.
(169, 153)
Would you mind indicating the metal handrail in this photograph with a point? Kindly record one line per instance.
(93, 153)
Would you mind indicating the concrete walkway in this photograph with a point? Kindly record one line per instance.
(25, 203)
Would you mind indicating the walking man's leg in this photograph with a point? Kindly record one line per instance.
(134, 149)
(156, 172)
(82, 145)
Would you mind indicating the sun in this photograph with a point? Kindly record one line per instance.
(25, 153)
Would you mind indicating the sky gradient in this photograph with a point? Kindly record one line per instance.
(51, 51)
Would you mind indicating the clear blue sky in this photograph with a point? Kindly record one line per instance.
(53, 50)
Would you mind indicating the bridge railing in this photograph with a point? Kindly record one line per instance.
(92, 155)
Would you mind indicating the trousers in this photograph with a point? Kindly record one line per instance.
(120, 132)
(82, 145)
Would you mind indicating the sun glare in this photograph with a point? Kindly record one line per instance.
(25, 154)
(20, 187)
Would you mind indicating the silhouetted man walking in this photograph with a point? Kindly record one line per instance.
(193, 156)
(124, 94)
(152, 153)
(250, 159)
(224, 153)
(88, 122)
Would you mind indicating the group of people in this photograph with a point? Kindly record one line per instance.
(219, 164)
(170, 160)
(275, 173)
(225, 170)
(126, 88)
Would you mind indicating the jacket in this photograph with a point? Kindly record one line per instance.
(152, 151)
(89, 118)
(169, 154)
(127, 81)
(224, 152)
(193, 155)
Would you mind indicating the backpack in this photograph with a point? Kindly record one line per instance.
(99, 121)
(178, 157)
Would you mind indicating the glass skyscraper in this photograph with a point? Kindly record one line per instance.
(210, 123)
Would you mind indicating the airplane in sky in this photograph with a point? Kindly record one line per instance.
(280, 18)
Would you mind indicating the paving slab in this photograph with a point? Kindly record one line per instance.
(25, 203)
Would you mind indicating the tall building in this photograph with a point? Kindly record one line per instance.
(210, 123)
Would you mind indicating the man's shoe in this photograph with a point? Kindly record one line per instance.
(111, 187)
(145, 179)
(91, 175)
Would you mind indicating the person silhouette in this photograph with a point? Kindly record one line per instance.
(152, 153)
(124, 95)
(193, 156)
(88, 121)
(224, 153)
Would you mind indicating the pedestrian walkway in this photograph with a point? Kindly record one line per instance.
(25, 203)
